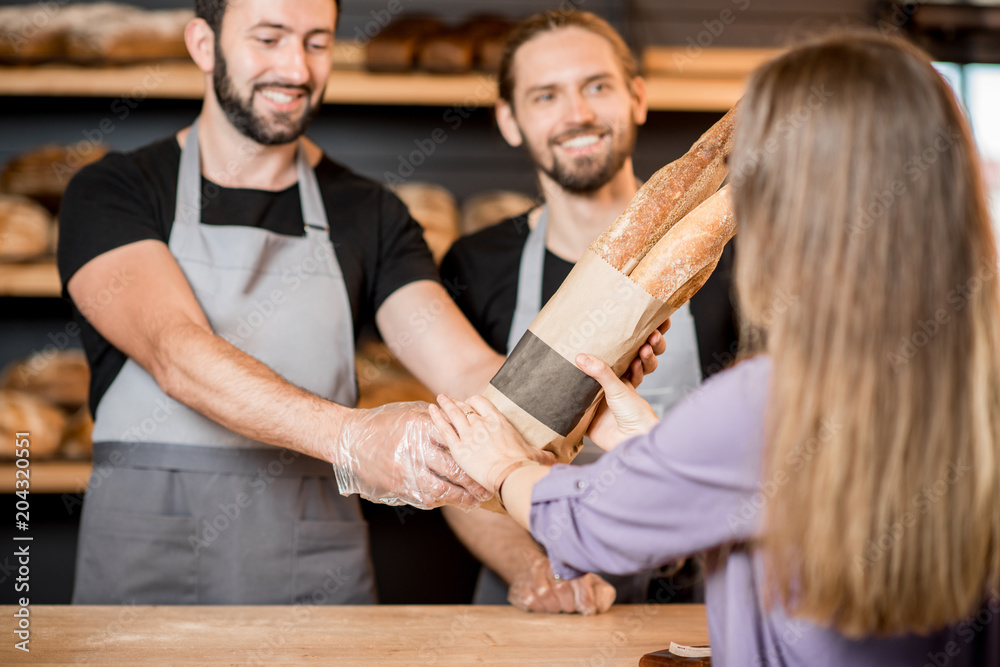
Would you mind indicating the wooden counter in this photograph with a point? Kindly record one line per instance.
(386, 635)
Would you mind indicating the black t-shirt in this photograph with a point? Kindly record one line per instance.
(129, 197)
(481, 273)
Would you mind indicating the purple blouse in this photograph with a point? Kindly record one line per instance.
(693, 484)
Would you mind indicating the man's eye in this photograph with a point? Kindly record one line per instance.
(319, 46)
(266, 41)
(544, 97)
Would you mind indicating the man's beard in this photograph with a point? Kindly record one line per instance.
(241, 114)
(584, 175)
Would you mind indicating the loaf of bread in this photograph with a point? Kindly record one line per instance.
(435, 209)
(24, 413)
(128, 36)
(25, 228)
(680, 263)
(78, 442)
(30, 34)
(58, 377)
(490, 48)
(488, 208)
(454, 51)
(44, 172)
(396, 47)
(669, 195)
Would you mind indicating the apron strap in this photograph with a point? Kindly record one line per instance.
(188, 206)
(529, 280)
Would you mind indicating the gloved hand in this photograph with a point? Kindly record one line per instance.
(535, 589)
(394, 455)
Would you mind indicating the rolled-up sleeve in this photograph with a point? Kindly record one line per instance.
(690, 484)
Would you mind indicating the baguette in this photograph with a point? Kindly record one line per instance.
(680, 263)
(669, 195)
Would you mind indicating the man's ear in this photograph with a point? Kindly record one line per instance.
(200, 40)
(508, 124)
(640, 101)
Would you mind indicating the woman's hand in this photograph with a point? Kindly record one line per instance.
(482, 441)
(622, 414)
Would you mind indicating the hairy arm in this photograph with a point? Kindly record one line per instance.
(170, 337)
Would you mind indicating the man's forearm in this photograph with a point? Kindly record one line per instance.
(220, 381)
(496, 540)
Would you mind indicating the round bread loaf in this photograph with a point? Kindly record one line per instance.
(78, 441)
(488, 208)
(59, 377)
(24, 413)
(25, 228)
(44, 172)
(435, 209)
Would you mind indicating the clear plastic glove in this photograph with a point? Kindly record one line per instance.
(535, 589)
(622, 413)
(394, 455)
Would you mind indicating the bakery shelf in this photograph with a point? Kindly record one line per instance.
(185, 81)
(30, 279)
(695, 62)
(49, 476)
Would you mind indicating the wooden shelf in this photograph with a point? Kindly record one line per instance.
(30, 279)
(185, 81)
(49, 476)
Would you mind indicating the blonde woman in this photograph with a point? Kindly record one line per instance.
(845, 482)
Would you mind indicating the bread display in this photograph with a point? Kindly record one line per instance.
(130, 35)
(44, 172)
(435, 209)
(488, 208)
(456, 50)
(25, 228)
(396, 47)
(24, 413)
(669, 195)
(91, 33)
(58, 377)
(28, 34)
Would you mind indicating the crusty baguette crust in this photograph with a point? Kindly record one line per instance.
(669, 195)
(685, 257)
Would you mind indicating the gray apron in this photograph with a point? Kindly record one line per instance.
(180, 510)
(678, 372)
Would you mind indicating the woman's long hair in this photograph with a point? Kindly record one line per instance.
(867, 261)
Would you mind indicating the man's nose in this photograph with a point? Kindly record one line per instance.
(292, 66)
(579, 111)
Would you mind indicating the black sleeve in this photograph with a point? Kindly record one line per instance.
(106, 205)
(403, 254)
(455, 276)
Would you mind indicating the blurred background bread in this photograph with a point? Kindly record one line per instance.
(24, 413)
(488, 208)
(435, 209)
(26, 228)
(58, 377)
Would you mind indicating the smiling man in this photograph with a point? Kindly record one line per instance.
(570, 94)
(223, 382)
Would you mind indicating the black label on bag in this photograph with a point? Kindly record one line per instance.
(542, 383)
